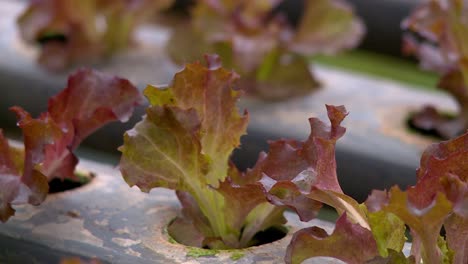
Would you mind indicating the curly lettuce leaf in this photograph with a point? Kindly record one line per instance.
(91, 100)
(19, 181)
(184, 143)
(293, 170)
(443, 48)
(349, 242)
(51, 139)
(439, 163)
(425, 223)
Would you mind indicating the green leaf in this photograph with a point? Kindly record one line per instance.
(425, 223)
(388, 231)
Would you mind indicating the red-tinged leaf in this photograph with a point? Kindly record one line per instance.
(438, 163)
(241, 199)
(292, 169)
(185, 232)
(47, 144)
(249, 210)
(91, 100)
(327, 26)
(15, 187)
(425, 223)
(103, 98)
(457, 192)
(456, 228)
(287, 194)
(349, 242)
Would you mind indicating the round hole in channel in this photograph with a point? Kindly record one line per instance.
(81, 178)
(431, 116)
(266, 236)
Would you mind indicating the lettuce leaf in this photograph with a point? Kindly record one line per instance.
(441, 47)
(20, 182)
(349, 242)
(294, 172)
(74, 31)
(91, 100)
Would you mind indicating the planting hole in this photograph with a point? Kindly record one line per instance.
(427, 122)
(59, 185)
(269, 235)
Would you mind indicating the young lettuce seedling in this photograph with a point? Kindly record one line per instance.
(374, 232)
(269, 51)
(440, 41)
(184, 143)
(90, 100)
(83, 30)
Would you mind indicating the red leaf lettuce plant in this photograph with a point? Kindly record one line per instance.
(189, 132)
(90, 100)
(74, 31)
(258, 41)
(440, 41)
(184, 143)
(374, 232)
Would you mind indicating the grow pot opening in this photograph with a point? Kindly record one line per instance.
(266, 236)
(431, 131)
(82, 178)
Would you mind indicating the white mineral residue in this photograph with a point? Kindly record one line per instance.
(73, 229)
(125, 242)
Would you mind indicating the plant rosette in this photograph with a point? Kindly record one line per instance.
(90, 100)
(260, 41)
(437, 36)
(77, 31)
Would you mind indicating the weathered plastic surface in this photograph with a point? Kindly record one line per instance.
(376, 152)
(117, 224)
